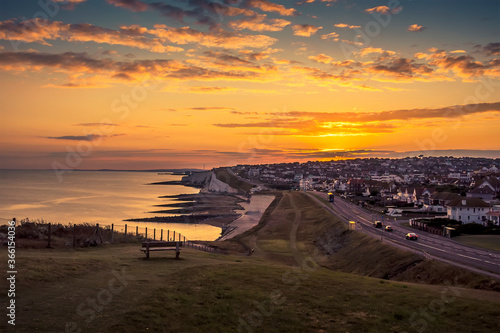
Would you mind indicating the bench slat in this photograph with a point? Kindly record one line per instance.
(161, 246)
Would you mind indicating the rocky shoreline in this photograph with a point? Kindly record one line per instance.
(216, 204)
(234, 210)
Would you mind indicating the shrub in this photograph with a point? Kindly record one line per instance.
(472, 228)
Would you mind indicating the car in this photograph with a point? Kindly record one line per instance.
(377, 224)
(388, 228)
(411, 236)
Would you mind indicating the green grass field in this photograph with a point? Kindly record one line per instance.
(306, 274)
(490, 242)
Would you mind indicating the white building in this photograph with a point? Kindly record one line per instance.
(468, 210)
(254, 172)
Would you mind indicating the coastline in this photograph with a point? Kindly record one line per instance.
(234, 210)
(253, 213)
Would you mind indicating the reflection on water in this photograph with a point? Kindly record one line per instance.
(104, 197)
(191, 231)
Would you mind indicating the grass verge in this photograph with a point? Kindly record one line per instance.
(489, 242)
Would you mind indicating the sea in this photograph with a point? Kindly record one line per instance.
(104, 197)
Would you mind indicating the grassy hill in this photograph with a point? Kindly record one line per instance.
(299, 227)
(296, 280)
(225, 176)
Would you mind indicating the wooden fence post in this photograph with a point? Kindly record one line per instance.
(168, 235)
(112, 232)
(98, 232)
(173, 238)
(50, 232)
(125, 231)
(136, 231)
(154, 234)
(146, 233)
(161, 235)
(74, 235)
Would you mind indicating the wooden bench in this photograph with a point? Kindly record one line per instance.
(161, 246)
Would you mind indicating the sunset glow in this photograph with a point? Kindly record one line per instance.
(135, 84)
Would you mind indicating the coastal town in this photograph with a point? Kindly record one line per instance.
(462, 189)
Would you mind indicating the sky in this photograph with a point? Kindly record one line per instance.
(140, 84)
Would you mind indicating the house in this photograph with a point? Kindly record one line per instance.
(355, 186)
(424, 196)
(443, 198)
(438, 201)
(494, 217)
(486, 193)
(491, 182)
(410, 194)
(468, 210)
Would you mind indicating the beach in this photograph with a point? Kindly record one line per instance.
(250, 218)
(234, 210)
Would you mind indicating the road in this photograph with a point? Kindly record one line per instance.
(482, 261)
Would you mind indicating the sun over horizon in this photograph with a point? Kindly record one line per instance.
(136, 84)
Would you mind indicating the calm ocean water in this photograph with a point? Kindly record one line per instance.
(103, 197)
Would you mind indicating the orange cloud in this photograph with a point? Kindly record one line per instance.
(379, 9)
(312, 127)
(349, 63)
(490, 49)
(162, 69)
(350, 42)
(325, 124)
(322, 58)
(332, 35)
(463, 66)
(311, 1)
(454, 111)
(268, 6)
(40, 31)
(259, 23)
(344, 25)
(227, 40)
(467, 66)
(154, 40)
(367, 88)
(210, 90)
(401, 68)
(369, 50)
(305, 30)
(79, 85)
(416, 28)
(229, 62)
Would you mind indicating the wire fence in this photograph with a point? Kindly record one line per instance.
(84, 235)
